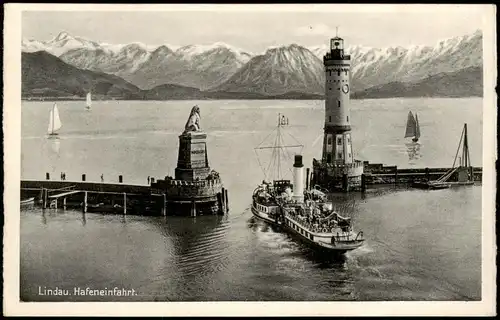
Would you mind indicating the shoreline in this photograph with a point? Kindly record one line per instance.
(49, 99)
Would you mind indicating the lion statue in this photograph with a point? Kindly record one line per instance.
(193, 122)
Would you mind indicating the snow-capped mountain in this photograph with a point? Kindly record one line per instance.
(119, 60)
(375, 66)
(199, 66)
(220, 66)
(62, 43)
(279, 70)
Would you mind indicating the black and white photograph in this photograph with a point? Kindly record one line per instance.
(263, 157)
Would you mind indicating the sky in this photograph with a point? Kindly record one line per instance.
(255, 30)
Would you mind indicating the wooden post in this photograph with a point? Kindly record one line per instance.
(55, 206)
(120, 178)
(307, 178)
(47, 175)
(164, 204)
(363, 182)
(64, 203)
(193, 209)
(345, 183)
(44, 199)
(85, 198)
(83, 177)
(223, 200)
(219, 202)
(427, 174)
(124, 203)
(227, 201)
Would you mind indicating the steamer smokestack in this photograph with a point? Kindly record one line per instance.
(298, 179)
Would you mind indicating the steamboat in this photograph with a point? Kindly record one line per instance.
(304, 213)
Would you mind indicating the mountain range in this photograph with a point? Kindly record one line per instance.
(291, 70)
(47, 76)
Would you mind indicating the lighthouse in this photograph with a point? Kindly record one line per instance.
(337, 168)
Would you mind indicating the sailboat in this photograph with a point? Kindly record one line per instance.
(54, 121)
(461, 175)
(412, 127)
(302, 212)
(465, 173)
(89, 101)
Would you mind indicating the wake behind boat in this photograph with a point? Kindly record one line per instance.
(305, 214)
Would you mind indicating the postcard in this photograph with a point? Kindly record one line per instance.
(319, 159)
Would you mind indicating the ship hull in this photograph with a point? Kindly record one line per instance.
(303, 235)
(430, 186)
(264, 216)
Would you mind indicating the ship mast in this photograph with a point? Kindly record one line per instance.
(464, 160)
(278, 149)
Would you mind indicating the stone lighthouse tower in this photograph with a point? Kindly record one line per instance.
(337, 169)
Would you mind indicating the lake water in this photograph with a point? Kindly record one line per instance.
(421, 245)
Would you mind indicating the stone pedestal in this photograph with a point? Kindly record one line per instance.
(192, 163)
(194, 190)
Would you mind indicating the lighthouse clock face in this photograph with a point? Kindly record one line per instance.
(345, 88)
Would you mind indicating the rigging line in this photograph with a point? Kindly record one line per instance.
(281, 147)
(280, 150)
(270, 166)
(459, 145)
(260, 165)
(466, 148)
(278, 138)
(266, 138)
(294, 138)
(272, 161)
(285, 151)
(287, 155)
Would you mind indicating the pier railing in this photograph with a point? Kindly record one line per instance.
(317, 227)
(338, 164)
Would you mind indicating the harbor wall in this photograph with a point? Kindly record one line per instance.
(86, 186)
(379, 174)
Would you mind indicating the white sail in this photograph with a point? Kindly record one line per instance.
(51, 121)
(411, 126)
(417, 127)
(89, 100)
(54, 120)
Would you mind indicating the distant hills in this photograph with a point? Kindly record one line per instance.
(47, 76)
(44, 75)
(70, 65)
(462, 83)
